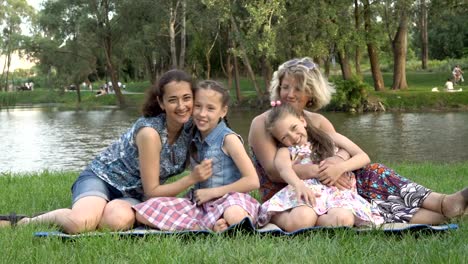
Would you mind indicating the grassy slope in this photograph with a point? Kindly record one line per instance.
(49, 190)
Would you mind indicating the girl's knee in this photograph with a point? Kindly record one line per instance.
(345, 220)
(234, 214)
(300, 217)
(344, 217)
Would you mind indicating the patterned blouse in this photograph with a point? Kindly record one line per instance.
(119, 164)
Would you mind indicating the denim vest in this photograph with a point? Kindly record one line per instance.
(119, 164)
(224, 169)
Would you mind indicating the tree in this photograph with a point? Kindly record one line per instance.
(397, 15)
(422, 25)
(372, 48)
(12, 14)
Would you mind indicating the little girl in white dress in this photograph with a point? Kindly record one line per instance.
(307, 145)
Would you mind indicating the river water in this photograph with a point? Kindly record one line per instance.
(36, 139)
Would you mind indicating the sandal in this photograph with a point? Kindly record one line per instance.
(13, 218)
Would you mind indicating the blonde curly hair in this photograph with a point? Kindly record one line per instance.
(307, 73)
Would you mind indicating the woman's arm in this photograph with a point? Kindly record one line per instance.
(358, 158)
(264, 147)
(234, 148)
(149, 151)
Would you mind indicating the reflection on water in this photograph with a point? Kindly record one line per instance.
(39, 139)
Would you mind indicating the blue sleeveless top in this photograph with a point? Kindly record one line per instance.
(119, 164)
(224, 169)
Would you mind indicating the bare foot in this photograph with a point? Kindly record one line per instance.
(4, 223)
(455, 204)
(220, 225)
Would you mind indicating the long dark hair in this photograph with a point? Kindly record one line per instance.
(321, 144)
(155, 94)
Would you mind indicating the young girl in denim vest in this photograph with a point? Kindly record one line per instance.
(222, 199)
(306, 203)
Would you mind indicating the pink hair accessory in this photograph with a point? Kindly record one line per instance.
(275, 103)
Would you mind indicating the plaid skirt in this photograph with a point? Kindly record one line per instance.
(175, 214)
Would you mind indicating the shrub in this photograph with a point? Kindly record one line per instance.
(351, 95)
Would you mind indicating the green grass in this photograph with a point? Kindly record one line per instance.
(50, 190)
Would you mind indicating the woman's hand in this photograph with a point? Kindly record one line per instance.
(305, 194)
(331, 174)
(202, 171)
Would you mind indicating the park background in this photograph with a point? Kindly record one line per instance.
(379, 54)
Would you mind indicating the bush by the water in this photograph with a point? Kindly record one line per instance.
(351, 95)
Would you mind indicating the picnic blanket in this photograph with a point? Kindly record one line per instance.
(246, 225)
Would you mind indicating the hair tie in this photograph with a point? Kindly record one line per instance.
(275, 103)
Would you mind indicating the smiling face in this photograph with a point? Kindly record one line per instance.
(177, 101)
(292, 93)
(208, 109)
(290, 130)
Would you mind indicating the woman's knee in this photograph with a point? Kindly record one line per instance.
(118, 215)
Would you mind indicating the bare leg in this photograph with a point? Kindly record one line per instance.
(296, 218)
(118, 215)
(336, 217)
(141, 219)
(428, 217)
(84, 216)
(231, 216)
(451, 205)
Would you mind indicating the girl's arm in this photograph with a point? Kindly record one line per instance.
(149, 151)
(358, 160)
(284, 164)
(234, 148)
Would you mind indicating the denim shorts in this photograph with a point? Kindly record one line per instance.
(89, 184)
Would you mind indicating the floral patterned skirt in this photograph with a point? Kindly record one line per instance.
(330, 197)
(396, 197)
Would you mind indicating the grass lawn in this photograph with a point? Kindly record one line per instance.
(50, 190)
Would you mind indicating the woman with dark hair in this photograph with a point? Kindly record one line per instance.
(135, 166)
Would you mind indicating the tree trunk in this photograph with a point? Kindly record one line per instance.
(78, 91)
(172, 35)
(357, 55)
(326, 66)
(372, 50)
(344, 64)
(182, 36)
(236, 76)
(399, 46)
(245, 59)
(229, 69)
(267, 73)
(108, 52)
(151, 66)
(424, 35)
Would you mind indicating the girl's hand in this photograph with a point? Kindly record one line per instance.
(204, 195)
(202, 171)
(305, 194)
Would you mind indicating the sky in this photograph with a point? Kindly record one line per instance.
(35, 3)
